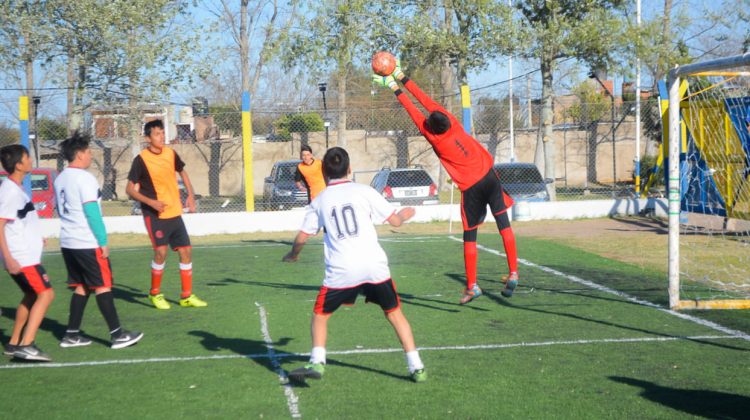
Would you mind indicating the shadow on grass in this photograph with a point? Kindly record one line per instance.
(704, 403)
(254, 350)
(133, 295)
(57, 329)
(507, 303)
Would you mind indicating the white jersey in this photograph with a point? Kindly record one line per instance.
(347, 211)
(73, 188)
(22, 230)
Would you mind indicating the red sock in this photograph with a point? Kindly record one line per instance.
(186, 277)
(470, 263)
(509, 242)
(156, 272)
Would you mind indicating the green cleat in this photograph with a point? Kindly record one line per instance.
(193, 301)
(158, 301)
(309, 371)
(419, 375)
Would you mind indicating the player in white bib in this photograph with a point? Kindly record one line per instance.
(355, 262)
(21, 245)
(83, 241)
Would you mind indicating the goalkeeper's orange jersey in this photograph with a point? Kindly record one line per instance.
(313, 176)
(465, 159)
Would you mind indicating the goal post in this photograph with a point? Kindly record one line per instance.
(709, 184)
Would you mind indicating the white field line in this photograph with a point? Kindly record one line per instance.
(292, 401)
(276, 356)
(618, 293)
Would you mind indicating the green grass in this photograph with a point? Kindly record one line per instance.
(576, 374)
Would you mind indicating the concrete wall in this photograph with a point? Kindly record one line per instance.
(370, 153)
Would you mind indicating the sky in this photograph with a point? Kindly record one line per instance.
(492, 81)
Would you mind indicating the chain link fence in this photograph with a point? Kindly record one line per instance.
(594, 150)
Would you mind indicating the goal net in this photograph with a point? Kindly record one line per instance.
(709, 185)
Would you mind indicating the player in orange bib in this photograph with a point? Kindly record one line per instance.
(309, 174)
(152, 181)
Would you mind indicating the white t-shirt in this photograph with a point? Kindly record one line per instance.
(73, 188)
(22, 230)
(348, 212)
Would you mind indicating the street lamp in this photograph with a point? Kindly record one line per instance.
(37, 100)
(593, 75)
(326, 122)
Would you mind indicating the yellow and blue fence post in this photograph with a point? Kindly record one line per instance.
(466, 105)
(247, 152)
(23, 117)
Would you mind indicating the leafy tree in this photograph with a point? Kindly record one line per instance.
(51, 129)
(303, 123)
(588, 30)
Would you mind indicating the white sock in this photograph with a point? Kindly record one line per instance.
(188, 266)
(318, 355)
(414, 361)
(156, 266)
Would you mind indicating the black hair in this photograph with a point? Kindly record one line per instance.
(152, 124)
(305, 148)
(335, 163)
(438, 123)
(76, 143)
(11, 155)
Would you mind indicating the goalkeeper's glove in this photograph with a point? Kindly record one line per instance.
(397, 73)
(385, 81)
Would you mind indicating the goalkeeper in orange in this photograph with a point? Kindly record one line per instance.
(469, 164)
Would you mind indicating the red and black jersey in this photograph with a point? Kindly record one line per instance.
(156, 175)
(465, 159)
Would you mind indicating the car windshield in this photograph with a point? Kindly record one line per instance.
(409, 179)
(39, 182)
(286, 173)
(519, 175)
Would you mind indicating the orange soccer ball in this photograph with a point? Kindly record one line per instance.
(383, 63)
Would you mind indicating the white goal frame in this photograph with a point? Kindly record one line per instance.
(673, 84)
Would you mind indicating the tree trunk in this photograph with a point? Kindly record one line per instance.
(70, 93)
(244, 47)
(547, 64)
(341, 105)
(402, 149)
(592, 137)
(214, 168)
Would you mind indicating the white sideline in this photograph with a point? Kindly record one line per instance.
(276, 356)
(292, 401)
(618, 293)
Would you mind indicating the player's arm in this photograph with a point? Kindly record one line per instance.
(96, 223)
(414, 113)
(399, 217)
(299, 180)
(189, 187)
(299, 243)
(11, 264)
(428, 103)
(133, 193)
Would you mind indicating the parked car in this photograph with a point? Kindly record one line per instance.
(279, 189)
(42, 190)
(406, 186)
(522, 181)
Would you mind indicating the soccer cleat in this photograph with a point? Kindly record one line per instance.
(31, 353)
(471, 294)
(419, 375)
(510, 285)
(310, 370)
(193, 301)
(10, 349)
(74, 340)
(158, 301)
(125, 339)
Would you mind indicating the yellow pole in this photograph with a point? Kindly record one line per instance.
(247, 152)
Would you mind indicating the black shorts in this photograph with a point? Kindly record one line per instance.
(165, 232)
(474, 201)
(32, 279)
(384, 294)
(87, 268)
